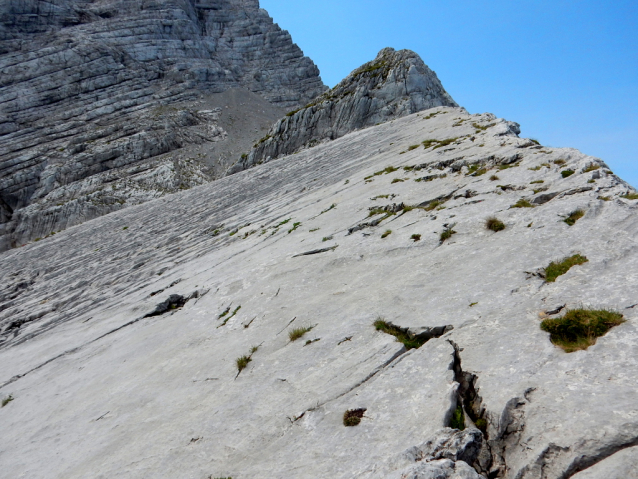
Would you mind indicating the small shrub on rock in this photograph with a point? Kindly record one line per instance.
(579, 328)
(566, 173)
(447, 233)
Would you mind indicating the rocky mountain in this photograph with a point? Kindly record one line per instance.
(378, 306)
(393, 85)
(106, 103)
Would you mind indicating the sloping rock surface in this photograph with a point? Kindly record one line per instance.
(88, 87)
(120, 336)
(393, 85)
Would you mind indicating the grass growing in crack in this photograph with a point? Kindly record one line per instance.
(415, 237)
(242, 362)
(591, 167)
(352, 417)
(326, 238)
(574, 216)
(294, 227)
(511, 165)
(630, 196)
(386, 233)
(481, 424)
(412, 147)
(296, 333)
(579, 328)
(397, 180)
(332, 206)
(229, 317)
(410, 341)
(554, 269)
(432, 205)
(522, 203)
(7, 400)
(447, 233)
(494, 224)
(536, 182)
(566, 173)
(458, 418)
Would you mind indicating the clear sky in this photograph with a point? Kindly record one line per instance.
(566, 70)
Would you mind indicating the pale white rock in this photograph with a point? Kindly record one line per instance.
(101, 389)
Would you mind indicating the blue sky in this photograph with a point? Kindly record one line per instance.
(567, 71)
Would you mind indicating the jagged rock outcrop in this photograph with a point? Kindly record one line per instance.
(95, 86)
(393, 85)
(114, 372)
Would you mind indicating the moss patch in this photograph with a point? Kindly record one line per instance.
(579, 328)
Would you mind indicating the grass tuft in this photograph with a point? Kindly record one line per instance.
(415, 237)
(7, 400)
(352, 417)
(579, 328)
(458, 418)
(554, 269)
(297, 333)
(494, 224)
(494, 178)
(410, 341)
(574, 216)
(566, 173)
(386, 233)
(242, 362)
(522, 203)
(447, 233)
(630, 196)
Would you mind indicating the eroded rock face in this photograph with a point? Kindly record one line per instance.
(100, 351)
(393, 85)
(88, 87)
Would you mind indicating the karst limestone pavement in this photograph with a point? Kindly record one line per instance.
(120, 336)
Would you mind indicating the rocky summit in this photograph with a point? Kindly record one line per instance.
(385, 305)
(105, 104)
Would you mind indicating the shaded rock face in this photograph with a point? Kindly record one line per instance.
(394, 84)
(92, 86)
(129, 326)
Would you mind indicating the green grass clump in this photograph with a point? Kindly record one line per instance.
(536, 182)
(556, 269)
(447, 233)
(352, 417)
(458, 418)
(574, 216)
(397, 180)
(559, 162)
(387, 170)
(579, 328)
(522, 203)
(481, 424)
(591, 167)
(410, 341)
(443, 143)
(294, 227)
(7, 400)
(494, 178)
(297, 333)
(242, 362)
(432, 205)
(386, 233)
(630, 196)
(429, 143)
(566, 173)
(412, 147)
(494, 224)
(535, 168)
(415, 237)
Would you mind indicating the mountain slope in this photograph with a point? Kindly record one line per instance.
(121, 335)
(96, 92)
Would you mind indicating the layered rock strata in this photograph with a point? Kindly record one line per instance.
(393, 85)
(122, 337)
(88, 87)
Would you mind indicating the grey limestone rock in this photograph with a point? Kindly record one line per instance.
(89, 87)
(393, 85)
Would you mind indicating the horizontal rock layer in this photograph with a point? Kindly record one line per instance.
(120, 337)
(88, 87)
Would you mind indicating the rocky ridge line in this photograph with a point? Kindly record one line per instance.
(393, 85)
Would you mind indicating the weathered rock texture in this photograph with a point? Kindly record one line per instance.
(393, 85)
(115, 372)
(89, 87)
